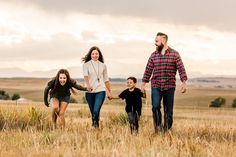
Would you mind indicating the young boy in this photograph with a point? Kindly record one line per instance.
(133, 98)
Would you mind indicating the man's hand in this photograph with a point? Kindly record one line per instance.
(143, 87)
(183, 87)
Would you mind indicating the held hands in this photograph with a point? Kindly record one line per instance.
(109, 96)
(183, 87)
(89, 88)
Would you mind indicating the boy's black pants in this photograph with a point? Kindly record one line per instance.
(133, 121)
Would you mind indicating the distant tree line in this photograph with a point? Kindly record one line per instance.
(220, 101)
(6, 96)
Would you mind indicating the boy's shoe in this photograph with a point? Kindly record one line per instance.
(132, 128)
(158, 129)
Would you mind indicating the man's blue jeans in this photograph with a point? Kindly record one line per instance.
(95, 101)
(168, 103)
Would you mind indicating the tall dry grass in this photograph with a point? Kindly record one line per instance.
(28, 132)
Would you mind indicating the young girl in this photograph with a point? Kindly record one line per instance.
(133, 98)
(59, 88)
(96, 79)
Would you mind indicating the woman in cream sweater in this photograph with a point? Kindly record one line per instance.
(97, 82)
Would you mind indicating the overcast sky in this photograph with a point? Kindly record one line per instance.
(40, 35)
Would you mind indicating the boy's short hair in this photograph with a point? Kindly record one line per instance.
(132, 78)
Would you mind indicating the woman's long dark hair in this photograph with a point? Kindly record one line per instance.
(69, 81)
(88, 55)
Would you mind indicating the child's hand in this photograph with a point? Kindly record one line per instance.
(89, 89)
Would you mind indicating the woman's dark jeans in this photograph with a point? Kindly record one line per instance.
(95, 101)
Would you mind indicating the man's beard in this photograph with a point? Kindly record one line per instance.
(159, 48)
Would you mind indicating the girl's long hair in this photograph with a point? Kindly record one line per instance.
(88, 55)
(69, 81)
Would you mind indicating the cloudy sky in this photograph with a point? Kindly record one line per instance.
(41, 35)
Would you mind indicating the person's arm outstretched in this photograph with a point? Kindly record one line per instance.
(122, 96)
(113, 97)
(77, 86)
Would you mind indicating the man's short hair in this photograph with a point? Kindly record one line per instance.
(163, 35)
(132, 78)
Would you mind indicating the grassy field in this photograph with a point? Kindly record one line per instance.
(198, 131)
(195, 97)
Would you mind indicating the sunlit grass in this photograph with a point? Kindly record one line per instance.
(28, 132)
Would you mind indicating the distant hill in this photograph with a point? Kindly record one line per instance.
(217, 82)
(17, 72)
(195, 78)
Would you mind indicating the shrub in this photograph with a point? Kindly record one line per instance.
(1, 120)
(218, 102)
(84, 100)
(37, 118)
(2, 92)
(73, 100)
(32, 118)
(12, 119)
(234, 103)
(120, 118)
(15, 96)
(4, 95)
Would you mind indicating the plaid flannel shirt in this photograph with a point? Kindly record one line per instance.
(163, 69)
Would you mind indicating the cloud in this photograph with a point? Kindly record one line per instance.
(67, 46)
(182, 12)
(62, 45)
(65, 50)
(42, 35)
(89, 36)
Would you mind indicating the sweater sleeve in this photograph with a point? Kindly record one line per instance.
(105, 75)
(77, 86)
(46, 91)
(85, 70)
